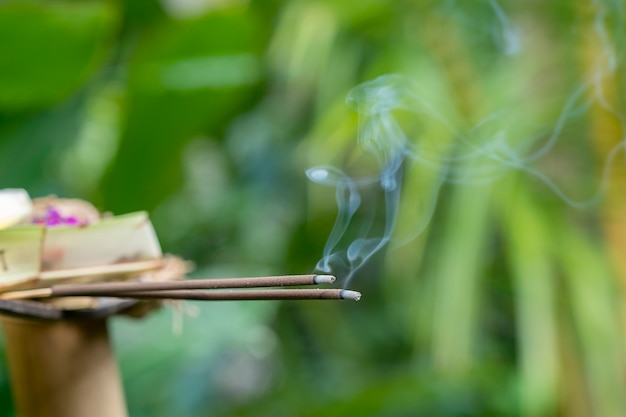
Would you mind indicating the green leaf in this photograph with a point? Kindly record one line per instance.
(49, 50)
(186, 79)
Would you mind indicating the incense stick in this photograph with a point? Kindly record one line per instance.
(217, 295)
(113, 288)
(225, 295)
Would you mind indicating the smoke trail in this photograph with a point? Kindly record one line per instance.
(380, 134)
(507, 36)
(480, 154)
(348, 201)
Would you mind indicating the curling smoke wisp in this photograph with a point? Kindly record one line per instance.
(479, 154)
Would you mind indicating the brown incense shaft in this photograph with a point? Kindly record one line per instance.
(270, 294)
(112, 288)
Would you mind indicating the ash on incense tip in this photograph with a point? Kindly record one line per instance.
(324, 279)
(350, 295)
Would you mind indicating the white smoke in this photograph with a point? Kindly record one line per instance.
(480, 154)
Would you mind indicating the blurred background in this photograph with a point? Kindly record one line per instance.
(501, 290)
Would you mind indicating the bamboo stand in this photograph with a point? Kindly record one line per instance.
(62, 368)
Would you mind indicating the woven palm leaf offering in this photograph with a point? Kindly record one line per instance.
(64, 254)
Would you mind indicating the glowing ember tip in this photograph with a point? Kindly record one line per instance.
(324, 279)
(350, 295)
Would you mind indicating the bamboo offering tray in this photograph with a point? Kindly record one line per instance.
(54, 241)
(63, 259)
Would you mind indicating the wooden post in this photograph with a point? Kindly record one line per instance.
(62, 368)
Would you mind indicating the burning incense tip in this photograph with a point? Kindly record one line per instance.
(324, 279)
(350, 295)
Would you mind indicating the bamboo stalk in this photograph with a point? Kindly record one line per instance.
(103, 270)
(62, 368)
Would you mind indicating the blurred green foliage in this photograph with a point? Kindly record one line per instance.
(207, 113)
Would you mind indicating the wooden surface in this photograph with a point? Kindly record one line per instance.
(62, 368)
